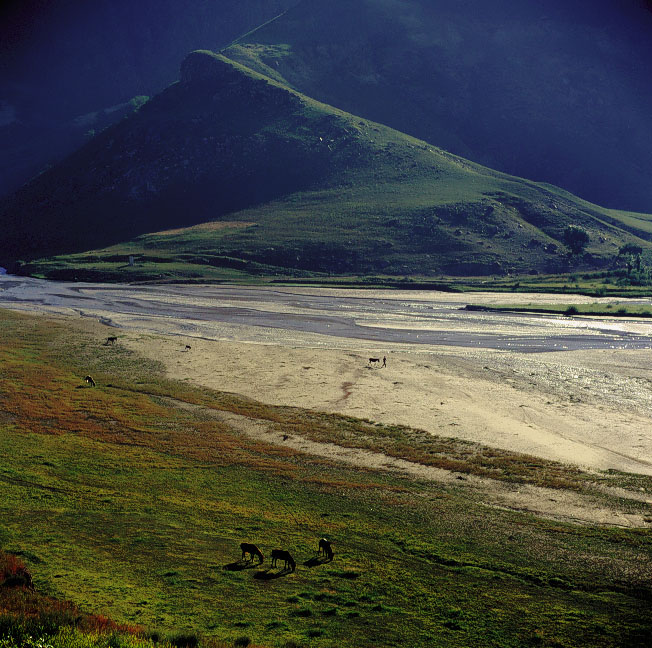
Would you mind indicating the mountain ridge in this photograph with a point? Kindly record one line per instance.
(552, 91)
(312, 189)
(103, 53)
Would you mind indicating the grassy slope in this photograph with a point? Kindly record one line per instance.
(535, 93)
(133, 507)
(308, 188)
(29, 619)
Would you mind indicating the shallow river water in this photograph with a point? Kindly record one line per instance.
(420, 318)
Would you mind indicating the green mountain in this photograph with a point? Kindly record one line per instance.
(228, 169)
(555, 90)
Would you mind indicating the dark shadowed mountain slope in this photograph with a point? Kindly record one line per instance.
(553, 90)
(69, 68)
(206, 146)
(232, 169)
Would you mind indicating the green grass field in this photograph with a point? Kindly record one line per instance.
(621, 309)
(598, 284)
(133, 507)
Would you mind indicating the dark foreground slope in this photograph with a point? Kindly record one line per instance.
(288, 184)
(556, 91)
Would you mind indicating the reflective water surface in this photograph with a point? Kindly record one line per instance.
(422, 318)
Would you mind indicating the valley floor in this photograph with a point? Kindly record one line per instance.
(449, 371)
(591, 407)
(219, 414)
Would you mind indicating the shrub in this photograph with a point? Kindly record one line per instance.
(185, 641)
(576, 238)
(629, 248)
(13, 572)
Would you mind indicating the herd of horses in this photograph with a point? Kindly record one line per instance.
(325, 549)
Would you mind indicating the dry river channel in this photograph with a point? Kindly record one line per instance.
(571, 389)
(414, 318)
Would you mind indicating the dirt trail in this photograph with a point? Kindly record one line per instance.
(563, 505)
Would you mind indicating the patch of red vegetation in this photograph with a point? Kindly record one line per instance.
(23, 603)
(347, 390)
(13, 573)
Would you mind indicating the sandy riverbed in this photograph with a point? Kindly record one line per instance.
(588, 408)
(591, 407)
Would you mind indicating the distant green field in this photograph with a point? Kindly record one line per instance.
(602, 310)
(642, 222)
(134, 507)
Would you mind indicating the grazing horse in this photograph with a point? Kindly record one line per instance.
(280, 554)
(112, 339)
(252, 550)
(325, 548)
(188, 347)
(90, 381)
(373, 361)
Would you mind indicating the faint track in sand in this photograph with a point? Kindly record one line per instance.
(557, 504)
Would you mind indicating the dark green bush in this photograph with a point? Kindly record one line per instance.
(185, 641)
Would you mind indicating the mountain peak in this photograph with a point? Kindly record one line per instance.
(203, 65)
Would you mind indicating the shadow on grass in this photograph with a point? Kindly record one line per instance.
(240, 565)
(315, 561)
(271, 575)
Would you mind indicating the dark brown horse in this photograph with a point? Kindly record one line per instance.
(252, 550)
(90, 381)
(325, 548)
(280, 554)
(112, 339)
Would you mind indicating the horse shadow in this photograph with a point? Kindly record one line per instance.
(268, 574)
(240, 565)
(315, 561)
